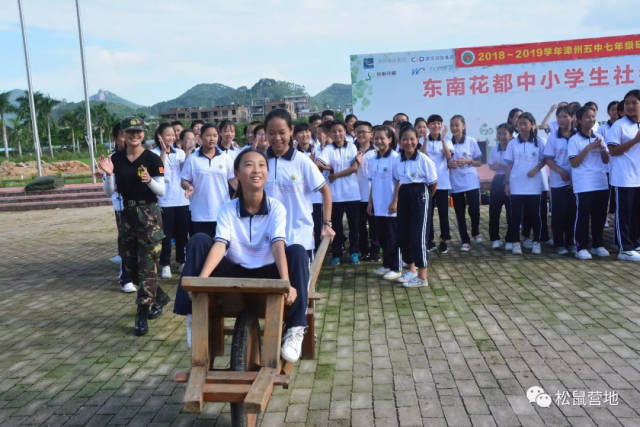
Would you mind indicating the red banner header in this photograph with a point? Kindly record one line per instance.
(548, 51)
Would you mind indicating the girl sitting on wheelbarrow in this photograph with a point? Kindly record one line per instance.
(249, 240)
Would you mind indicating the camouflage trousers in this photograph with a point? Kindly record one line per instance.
(141, 244)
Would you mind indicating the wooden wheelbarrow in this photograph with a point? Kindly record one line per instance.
(255, 364)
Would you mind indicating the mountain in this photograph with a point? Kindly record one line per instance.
(211, 94)
(338, 94)
(112, 98)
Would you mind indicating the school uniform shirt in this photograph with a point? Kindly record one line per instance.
(417, 169)
(174, 193)
(210, 180)
(363, 174)
(436, 154)
(524, 155)
(496, 157)
(590, 175)
(292, 178)
(625, 168)
(249, 237)
(350, 139)
(382, 183)
(316, 196)
(128, 182)
(232, 151)
(556, 149)
(345, 189)
(465, 178)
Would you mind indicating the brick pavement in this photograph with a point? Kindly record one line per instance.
(462, 352)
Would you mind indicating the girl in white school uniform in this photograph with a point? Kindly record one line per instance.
(439, 148)
(369, 245)
(465, 185)
(525, 158)
(292, 178)
(174, 204)
(206, 177)
(416, 181)
(342, 160)
(587, 155)
(623, 139)
(380, 201)
(498, 197)
(563, 201)
(227, 131)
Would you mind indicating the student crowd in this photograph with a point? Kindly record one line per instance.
(260, 210)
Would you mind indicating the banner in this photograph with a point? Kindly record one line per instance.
(484, 83)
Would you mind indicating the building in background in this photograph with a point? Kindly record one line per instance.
(235, 113)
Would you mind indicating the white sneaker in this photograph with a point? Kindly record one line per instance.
(637, 249)
(166, 272)
(516, 250)
(496, 244)
(416, 282)
(583, 254)
(629, 256)
(508, 246)
(527, 244)
(408, 275)
(477, 238)
(466, 247)
(600, 251)
(392, 275)
(292, 343)
(116, 259)
(562, 251)
(128, 288)
(536, 248)
(380, 271)
(180, 268)
(549, 242)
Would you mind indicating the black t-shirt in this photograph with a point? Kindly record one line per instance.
(128, 181)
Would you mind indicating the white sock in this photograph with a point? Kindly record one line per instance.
(189, 330)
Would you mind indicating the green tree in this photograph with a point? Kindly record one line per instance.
(45, 104)
(5, 107)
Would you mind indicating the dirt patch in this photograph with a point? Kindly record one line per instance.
(27, 169)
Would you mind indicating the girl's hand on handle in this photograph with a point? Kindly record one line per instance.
(393, 207)
(291, 296)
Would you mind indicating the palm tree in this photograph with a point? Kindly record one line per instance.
(45, 105)
(5, 107)
(17, 127)
(23, 112)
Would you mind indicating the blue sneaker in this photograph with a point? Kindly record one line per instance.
(355, 259)
(335, 261)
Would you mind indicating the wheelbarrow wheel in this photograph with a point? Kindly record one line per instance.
(245, 356)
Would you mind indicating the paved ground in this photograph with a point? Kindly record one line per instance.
(462, 352)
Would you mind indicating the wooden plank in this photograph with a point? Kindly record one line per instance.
(287, 367)
(314, 271)
(200, 330)
(315, 296)
(218, 392)
(272, 336)
(260, 390)
(239, 377)
(309, 340)
(217, 332)
(235, 285)
(193, 395)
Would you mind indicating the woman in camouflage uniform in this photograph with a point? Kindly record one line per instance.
(137, 174)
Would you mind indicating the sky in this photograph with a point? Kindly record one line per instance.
(149, 51)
